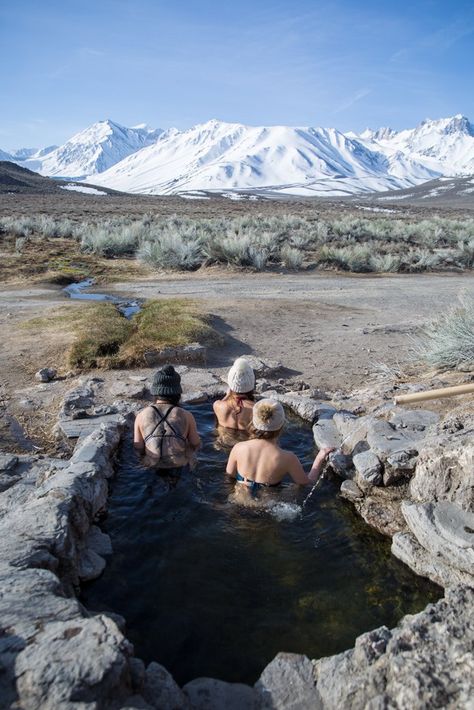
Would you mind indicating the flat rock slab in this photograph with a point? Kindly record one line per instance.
(406, 548)
(350, 490)
(264, 368)
(385, 440)
(75, 428)
(414, 419)
(445, 530)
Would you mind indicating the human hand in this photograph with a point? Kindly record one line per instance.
(323, 453)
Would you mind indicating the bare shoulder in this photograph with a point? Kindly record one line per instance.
(219, 405)
(290, 457)
(140, 415)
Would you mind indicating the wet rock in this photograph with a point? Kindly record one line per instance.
(425, 662)
(341, 464)
(90, 565)
(288, 683)
(381, 508)
(45, 374)
(326, 434)
(98, 541)
(445, 471)
(211, 694)
(407, 549)
(161, 690)
(350, 490)
(445, 530)
(368, 470)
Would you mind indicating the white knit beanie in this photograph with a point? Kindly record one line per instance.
(241, 377)
(268, 415)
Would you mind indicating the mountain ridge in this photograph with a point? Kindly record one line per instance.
(300, 160)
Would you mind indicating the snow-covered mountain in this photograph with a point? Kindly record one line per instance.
(444, 146)
(218, 156)
(91, 151)
(6, 156)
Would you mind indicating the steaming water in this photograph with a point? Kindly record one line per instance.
(214, 582)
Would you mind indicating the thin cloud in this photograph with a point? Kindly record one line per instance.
(351, 100)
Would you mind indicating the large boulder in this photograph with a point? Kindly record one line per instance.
(212, 694)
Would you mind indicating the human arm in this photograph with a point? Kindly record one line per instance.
(192, 436)
(231, 468)
(297, 473)
(138, 441)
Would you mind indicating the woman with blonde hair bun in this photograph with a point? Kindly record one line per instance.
(234, 411)
(260, 462)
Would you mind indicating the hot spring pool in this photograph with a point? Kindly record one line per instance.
(210, 587)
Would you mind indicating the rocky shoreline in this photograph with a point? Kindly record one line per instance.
(410, 475)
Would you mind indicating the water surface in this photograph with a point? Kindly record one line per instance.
(210, 587)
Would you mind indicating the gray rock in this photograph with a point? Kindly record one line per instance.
(350, 490)
(90, 565)
(445, 471)
(45, 374)
(74, 662)
(161, 690)
(341, 464)
(385, 440)
(76, 428)
(7, 462)
(426, 662)
(352, 429)
(263, 368)
(445, 530)
(399, 465)
(211, 694)
(197, 397)
(80, 397)
(302, 405)
(368, 470)
(288, 683)
(130, 390)
(98, 541)
(414, 419)
(407, 549)
(326, 435)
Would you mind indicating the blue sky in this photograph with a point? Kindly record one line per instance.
(348, 64)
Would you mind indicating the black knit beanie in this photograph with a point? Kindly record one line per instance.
(166, 383)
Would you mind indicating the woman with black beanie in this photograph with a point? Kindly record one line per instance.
(165, 432)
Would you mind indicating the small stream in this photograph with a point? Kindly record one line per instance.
(79, 291)
(211, 586)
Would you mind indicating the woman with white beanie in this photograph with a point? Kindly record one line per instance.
(260, 462)
(235, 410)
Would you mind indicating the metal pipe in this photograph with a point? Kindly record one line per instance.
(434, 394)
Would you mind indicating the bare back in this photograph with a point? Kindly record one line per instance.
(232, 417)
(264, 462)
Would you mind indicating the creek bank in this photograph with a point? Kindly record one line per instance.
(56, 654)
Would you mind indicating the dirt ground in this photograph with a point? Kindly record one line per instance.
(335, 332)
(332, 330)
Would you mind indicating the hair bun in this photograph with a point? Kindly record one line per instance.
(265, 412)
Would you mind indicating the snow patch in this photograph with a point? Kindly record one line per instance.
(82, 188)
